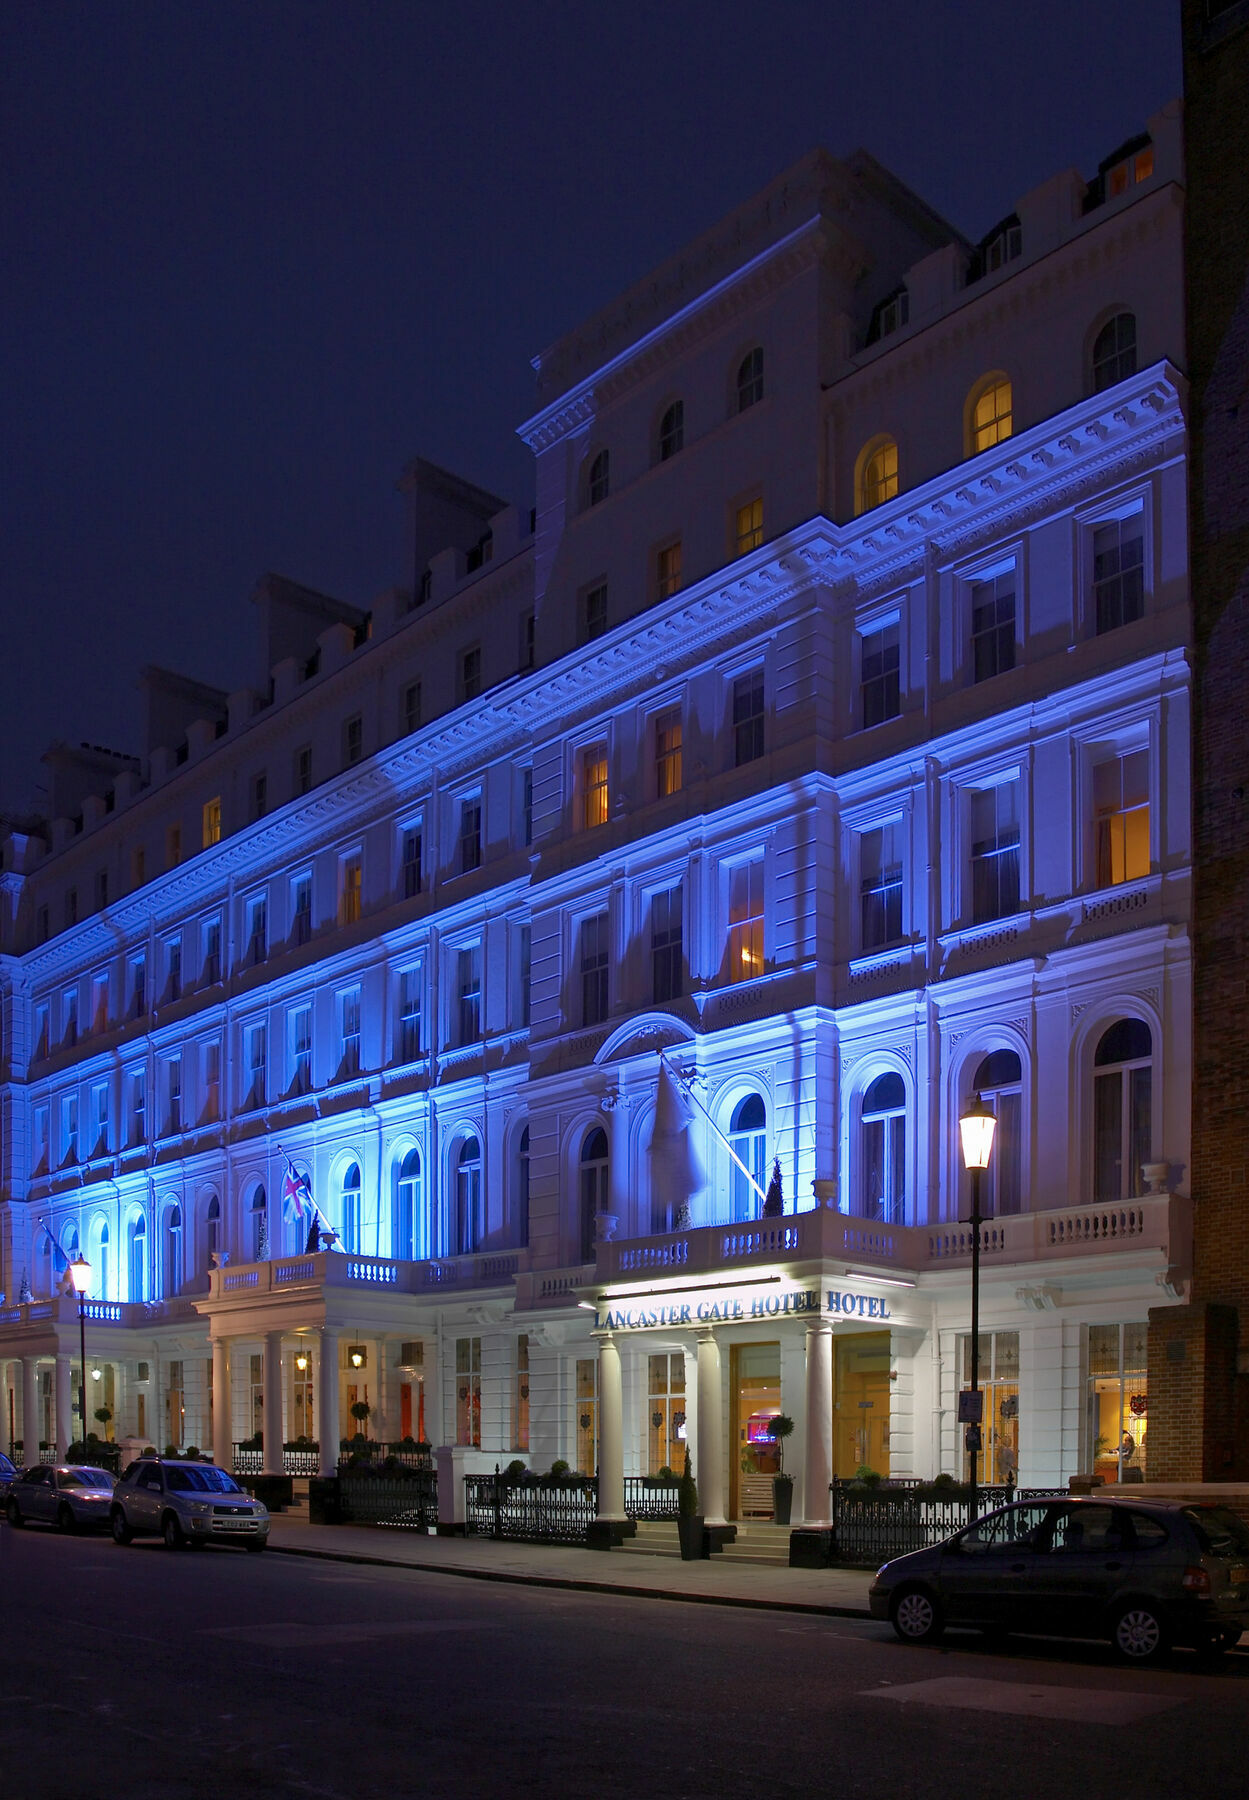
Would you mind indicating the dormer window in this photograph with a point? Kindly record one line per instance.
(890, 315)
(1121, 176)
(998, 247)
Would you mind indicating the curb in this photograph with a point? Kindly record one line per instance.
(626, 1590)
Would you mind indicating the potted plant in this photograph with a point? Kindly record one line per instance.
(360, 1409)
(781, 1427)
(689, 1519)
(103, 1415)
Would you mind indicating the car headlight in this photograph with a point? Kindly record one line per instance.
(200, 1506)
(881, 1570)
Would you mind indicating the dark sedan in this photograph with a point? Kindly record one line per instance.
(1143, 1574)
(67, 1495)
(9, 1473)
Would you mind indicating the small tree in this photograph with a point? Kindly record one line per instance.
(687, 1491)
(360, 1409)
(774, 1204)
(779, 1428)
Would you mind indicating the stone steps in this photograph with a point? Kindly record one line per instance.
(755, 1543)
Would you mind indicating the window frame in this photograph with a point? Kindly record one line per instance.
(749, 380)
(990, 382)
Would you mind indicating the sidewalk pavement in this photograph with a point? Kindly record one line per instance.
(720, 1581)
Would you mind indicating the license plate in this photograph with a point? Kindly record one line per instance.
(234, 1525)
(1238, 1574)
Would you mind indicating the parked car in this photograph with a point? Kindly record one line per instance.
(9, 1473)
(186, 1503)
(67, 1495)
(1144, 1574)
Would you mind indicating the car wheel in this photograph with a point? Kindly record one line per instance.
(65, 1520)
(122, 1533)
(171, 1531)
(1139, 1634)
(916, 1617)
(13, 1513)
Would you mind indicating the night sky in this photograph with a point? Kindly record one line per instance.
(257, 256)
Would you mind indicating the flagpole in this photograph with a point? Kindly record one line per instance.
(689, 1093)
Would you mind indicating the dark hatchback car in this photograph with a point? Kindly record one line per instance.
(64, 1494)
(1143, 1574)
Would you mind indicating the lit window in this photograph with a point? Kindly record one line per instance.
(882, 1160)
(668, 751)
(748, 526)
(1114, 351)
(1122, 1110)
(1118, 1401)
(993, 625)
(667, 949)
(878, 477)
(212, 822)
(990, 419)
(594, 786)
(1129, 170)
(746, 921)
(672, 431)
(879, 691)
(468, 1390)
(668, 570)
(594, 951)
(350, 882)
(470, 834)
(1121, 809)
(598, 481)
(594, 612)
(995, 852)
(880, 886)
(1118, 573)
(748, 718)
(750, 379)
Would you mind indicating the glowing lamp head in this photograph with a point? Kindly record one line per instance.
(976, 1127)
(80, 1275)
(301, 1361)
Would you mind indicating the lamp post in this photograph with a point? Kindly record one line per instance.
(80, 1275)
(976, 1127)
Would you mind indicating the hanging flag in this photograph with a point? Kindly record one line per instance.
(296, 1193)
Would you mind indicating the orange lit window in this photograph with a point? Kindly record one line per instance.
(668, 570)
(594, 786)
(991, 415)
(746, 921)
(212, 823)
(748, 526)
(878, 478)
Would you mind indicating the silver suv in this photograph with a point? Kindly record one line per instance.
(186, 1503)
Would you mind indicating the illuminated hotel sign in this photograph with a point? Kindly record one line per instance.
(673, 1311)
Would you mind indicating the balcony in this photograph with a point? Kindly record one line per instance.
(122, 1315)
(377, 1274)
(1158, 1225)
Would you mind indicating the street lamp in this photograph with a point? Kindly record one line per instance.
(976, 1128)
(80, 1275)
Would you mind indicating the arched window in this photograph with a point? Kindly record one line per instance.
(878, 474)
(212, 1230)
(882, 1138)
(72, 1242)
(468, 1231)
(989, 414)
(672, 430)
(748, 1139)
(750, 379)
(1122, 1110)
(104, 1272)
(138, 1259)
(260, 1225)
(1114, 351)
(350, 1208)
(408, 1220)
(521, 1230)
(999, 1082)
(593, 1189)
(172, 1251)
(598, 481)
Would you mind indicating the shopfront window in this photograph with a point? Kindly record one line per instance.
(587, 1415)
(468, 1391)
(861, 1403)
(1118, 1396)
(666, 1411)
(999, 1382)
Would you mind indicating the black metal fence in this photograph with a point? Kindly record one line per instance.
(650, 1497)
(407, 1501)
(872, 1524)
(530, 1512)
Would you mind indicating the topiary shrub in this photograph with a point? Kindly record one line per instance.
(687, 1492)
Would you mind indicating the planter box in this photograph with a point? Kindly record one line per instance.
(324, 1503)
(810, 1548)
(693, 1536)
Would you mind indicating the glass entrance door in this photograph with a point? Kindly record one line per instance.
(861, 1404)
(755, 1380)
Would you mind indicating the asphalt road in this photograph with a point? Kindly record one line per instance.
(136, 1673)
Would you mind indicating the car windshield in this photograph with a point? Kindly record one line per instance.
(199, 1478)
(1219, 1531)
(85, 1478)
(6, 1467)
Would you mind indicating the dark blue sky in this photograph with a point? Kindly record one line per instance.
(258, 255)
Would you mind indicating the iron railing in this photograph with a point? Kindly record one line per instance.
(530, 1512)
(650, 1497)
(409, 1502)
(870, 1525)
(306, 1459)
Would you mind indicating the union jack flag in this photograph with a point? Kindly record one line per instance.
(296, 1193)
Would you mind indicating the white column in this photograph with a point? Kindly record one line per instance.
(710, 1430)
(65, 1407)
(30, 1411)
(327, 1400)
(611, 1430)
(819, 1453)
(272, 1459)
(223, 1412)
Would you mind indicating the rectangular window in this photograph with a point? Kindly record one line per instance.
(593, 954)
(40, 1146)
(1118, 1397)
(99, 1119)
(468, 1391)
(665, 1406)
(409, 1045)
(470, 674)
(212, 1082)
(995, 852)
(880, 886)
(259, 796)
(410, 708)
(523, 956)
(1118, 573)
(301, 908)
(594, 612)
(138, 1107)
(42, 1031)
(468, 995)
(410, 858)
(350, 883)
(998, 1379)
(879, 686)
(748, 525)
(71, 907)
(526, 806)
(212, 953)
(173, 968)
(257, 917)
(212, 822)
(520, 1433)
(1121, 808)
(301, 1050)
(748, 718)
(173, 846)
(593, 771)
(349, 1032)
(173, 1095)
(668, 748)
(470, 834)
(99, 1003)
(69, 1128)
(667, 948)
(993, 625)
(257, 1067)
(746, 921)
(587, 1415)
(668, 570)
(138, 987)
(303, 770)
(69, 1016)
(353, 740)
